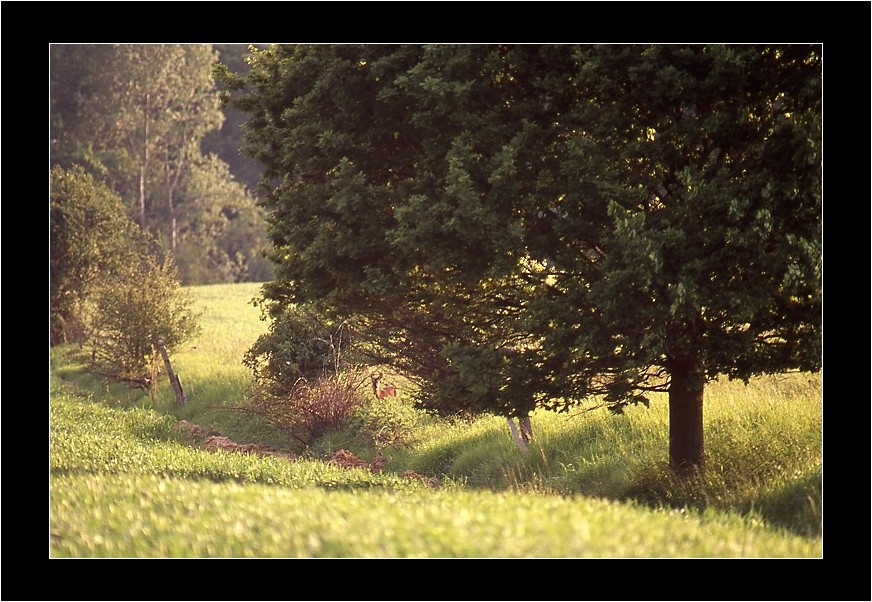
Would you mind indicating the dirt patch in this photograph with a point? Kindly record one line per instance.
(347, 459)
(193, 433)
(213, 441)
(429, 481)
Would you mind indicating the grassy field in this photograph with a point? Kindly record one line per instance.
(124, 482)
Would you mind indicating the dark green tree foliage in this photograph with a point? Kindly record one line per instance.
(708, 162)
(520, 226)
(300, 345)
(339, 218)
(90, 239)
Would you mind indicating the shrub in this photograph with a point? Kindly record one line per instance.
(300, 344)
(90, 238)
(309, 410)
(130, 312)
(305, 381)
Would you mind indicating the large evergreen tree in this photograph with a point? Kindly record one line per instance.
(523, 226)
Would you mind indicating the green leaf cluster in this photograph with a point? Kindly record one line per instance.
(132, 313)
(523, 225)
(90, 238)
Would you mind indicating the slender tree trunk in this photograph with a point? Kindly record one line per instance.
(526, 428)
(143, 168)
(172, 181)
(685, 413)
(171, 208)
(142, 197)
(518, 438)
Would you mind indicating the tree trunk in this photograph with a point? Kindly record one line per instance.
(175, 381)
(685, 413)
(142, 196)
(171, 209)
(143, 168)
(518, 438)
(526, 428)
(172, 180)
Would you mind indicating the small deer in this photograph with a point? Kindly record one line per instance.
(381, 391)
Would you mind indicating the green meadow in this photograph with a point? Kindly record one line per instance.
(126, 483)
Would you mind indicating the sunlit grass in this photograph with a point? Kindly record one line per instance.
(763, 444)
(760, 487)
(123, 486)
(209, 366)
(211, 363)
(148, 516)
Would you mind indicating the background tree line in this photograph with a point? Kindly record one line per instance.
(140, 203)
(137, 118)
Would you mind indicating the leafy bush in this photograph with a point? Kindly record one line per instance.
(130, 312)
(300, 344)
(304, 379)
(90, 237)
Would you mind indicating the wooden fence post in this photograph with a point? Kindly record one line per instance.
(175, 381)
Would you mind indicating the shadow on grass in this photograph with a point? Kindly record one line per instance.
(796, 507)
(612, 462)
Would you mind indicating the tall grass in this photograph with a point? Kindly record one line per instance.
(763, 443)
(123, 485)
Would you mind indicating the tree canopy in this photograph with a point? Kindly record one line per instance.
(540, 225)
(135, 116)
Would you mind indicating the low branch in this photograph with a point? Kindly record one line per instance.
(137, 383)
